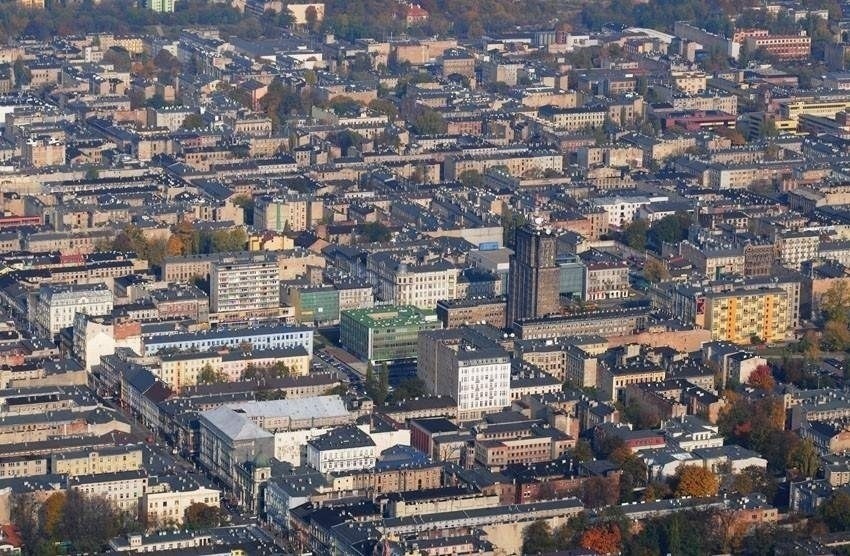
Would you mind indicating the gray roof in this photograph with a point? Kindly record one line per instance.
(235, 426)
(296, 408)
(342, 437)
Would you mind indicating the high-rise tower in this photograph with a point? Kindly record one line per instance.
(534, 275)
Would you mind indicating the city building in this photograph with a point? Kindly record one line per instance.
(57, 305)
(385, 333)
(739, 315)
(246, 285)
(340, 450)
(258, 337)
(470, 368)
(534, 282)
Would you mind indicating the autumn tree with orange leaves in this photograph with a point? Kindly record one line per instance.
(762, 378)
(604, 539)
(695, 480)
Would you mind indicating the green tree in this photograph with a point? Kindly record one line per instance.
(471, 178)
(193, 121)
(582, 451)
(93, 522)
(209, 375)
(804, 458)
(835, 512)
(511, 220)
(374, 232)
(384, 106)
(21, 72)
(670, 229)
(835, 302)
(347, 139)
(344, 105)
(537, 538)
(429, 122)
(408, 388)
(201, 516)
(246, 202)
(755, 479)
(635, 234)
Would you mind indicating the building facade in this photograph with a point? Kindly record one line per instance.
(534, 283)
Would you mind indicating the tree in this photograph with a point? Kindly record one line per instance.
(209, 375)
(836, 335)
(655, 271)
(188, 237)
(634, 472)
(342, 104)
(93, 522)
(835, 302)
(173, 247)
(537, 538)
(347, 139)
(409, 388)
(52, 512)
(511, 220)
(22, 73)
(245, 202)
(642, 415)
(656, 491)
(804, 458)
(762, 378)
(471, 178)
(165, 61)
(582, 451)
(670, 229)
(604, 539)
(193, 121)
(222, 241)
(131, 239)
(202, 516)
(735, 136)
(755, 479)
(835, 512)
(598, 492)
(312, 18)
(810, 346)
(383, 383)
(635, 234)
(156, 251)
(695, 480)
(429, 122)
(384, 106)
(374, 232)
(118, 57)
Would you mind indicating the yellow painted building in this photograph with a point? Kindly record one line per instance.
(95, 462)
(739, 315)
(182, 369)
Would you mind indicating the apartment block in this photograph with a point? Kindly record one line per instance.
(385, 333)
(245, 284)
(740, 315)
(466, 366)
(292, 213)
(57, 305)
